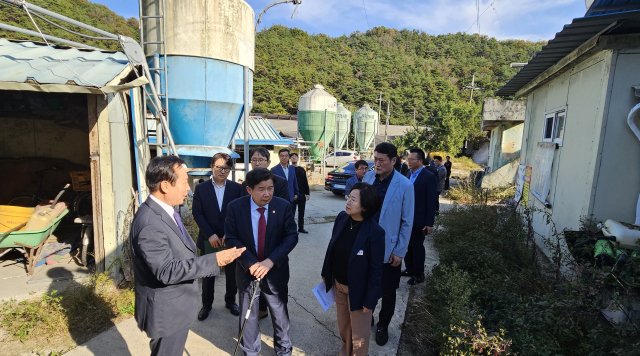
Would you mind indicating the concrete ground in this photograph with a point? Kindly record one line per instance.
(313, 331)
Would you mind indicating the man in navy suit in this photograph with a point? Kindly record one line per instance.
(288, 172)
(426, 199)
(264, 224)
(210, 202)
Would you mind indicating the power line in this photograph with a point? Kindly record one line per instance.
(365, 14)
(478, 18)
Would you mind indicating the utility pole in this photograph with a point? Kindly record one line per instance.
(472, 87)
(414, 117)
(380, 100)
(386, 128)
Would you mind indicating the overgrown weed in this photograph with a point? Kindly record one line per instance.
(468, 193)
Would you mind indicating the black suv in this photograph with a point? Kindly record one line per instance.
(336, 180)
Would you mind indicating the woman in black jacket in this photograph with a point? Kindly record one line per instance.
(353, 267)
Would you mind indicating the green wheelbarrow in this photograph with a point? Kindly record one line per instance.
(30, 241)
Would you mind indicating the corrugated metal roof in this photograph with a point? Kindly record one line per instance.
(571, 37)
(29, 62)
(260, 133)
(602, 7)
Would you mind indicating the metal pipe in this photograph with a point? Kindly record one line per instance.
(4, 26)
(246, 121)
(324, 144)
(335, 150)
(163, 119)
(159, 128)
(34, 8)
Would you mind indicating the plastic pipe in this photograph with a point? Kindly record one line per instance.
(631, 122)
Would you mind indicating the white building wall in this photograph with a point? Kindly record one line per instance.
(583, 90)
(618, 179)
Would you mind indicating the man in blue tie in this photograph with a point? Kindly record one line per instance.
(264, 225)
(288, 172)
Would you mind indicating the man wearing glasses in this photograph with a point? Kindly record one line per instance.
(210, 202)
(361, 167)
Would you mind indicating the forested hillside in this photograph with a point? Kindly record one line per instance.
(412, 69)
(82, 10)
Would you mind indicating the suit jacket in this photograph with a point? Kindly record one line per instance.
(303, 182)
(396, 215)
(426, 198)
(433, 170)
(442, 174)
(292, 181)
(280, 188)
(166, 270)
(281, 237)
(365, 270)
(206, 211)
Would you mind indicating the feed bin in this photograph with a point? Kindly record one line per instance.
(314, 108)
(209, 42)
(365, 126)
(343, 126)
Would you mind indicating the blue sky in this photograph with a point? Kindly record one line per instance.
(523, 19)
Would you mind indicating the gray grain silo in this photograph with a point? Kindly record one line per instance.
(343, 127)
(365, 126)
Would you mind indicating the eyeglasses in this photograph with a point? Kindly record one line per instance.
(222, 169)
(413, 159)
(362, 168)
(352, 199)
(258, 160)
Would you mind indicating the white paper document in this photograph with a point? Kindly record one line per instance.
(325, 298)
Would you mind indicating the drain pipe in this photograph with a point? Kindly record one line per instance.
(631, 122)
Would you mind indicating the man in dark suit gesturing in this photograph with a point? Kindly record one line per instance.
(210, 211)
(164, 258)
(264, 225)
(426, 199)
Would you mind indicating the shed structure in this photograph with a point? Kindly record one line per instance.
(85, 119)
(584, 159)
(504, 120)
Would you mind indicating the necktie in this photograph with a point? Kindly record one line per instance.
(176, 216)
(262, 231)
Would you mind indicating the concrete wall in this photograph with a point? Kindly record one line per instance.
(583, 90)
(481, 157)
(618, 177)
(502, 176)
(505, 144)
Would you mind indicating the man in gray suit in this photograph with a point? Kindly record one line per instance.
(396, 218)
(165, 265)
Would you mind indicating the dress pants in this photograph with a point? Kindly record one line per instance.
(279, 312)
(354, 327)
(209, 285)
(446, 183)
(172, 345)
(438, 203)
(301, 202)
(390, 282)
(414, 259)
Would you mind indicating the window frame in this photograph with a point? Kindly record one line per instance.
(555, 114)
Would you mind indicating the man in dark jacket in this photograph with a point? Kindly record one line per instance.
(425, 188)
(164, 260)
(305, 193)
(265, 226)
(210, 211)
(447, 165)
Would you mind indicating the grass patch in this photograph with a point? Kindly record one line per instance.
(63, 320)
(492, 295)
(468, 193)
(462, 163)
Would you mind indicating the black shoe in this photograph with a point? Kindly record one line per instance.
(406, 273)
(263, 314)
(233, 308)
(303, 231)
(204, 313)
(415, 280)
(382, 335)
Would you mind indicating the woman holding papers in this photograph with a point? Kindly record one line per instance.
(353, 267)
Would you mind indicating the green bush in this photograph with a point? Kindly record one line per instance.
(490, 271)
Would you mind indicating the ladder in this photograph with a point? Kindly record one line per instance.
(154, 126)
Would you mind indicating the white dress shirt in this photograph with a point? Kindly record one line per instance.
(219, 191)
(255, 219)
(166, 207)
(286, 171)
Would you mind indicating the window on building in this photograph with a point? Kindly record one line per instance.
(554, 124)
